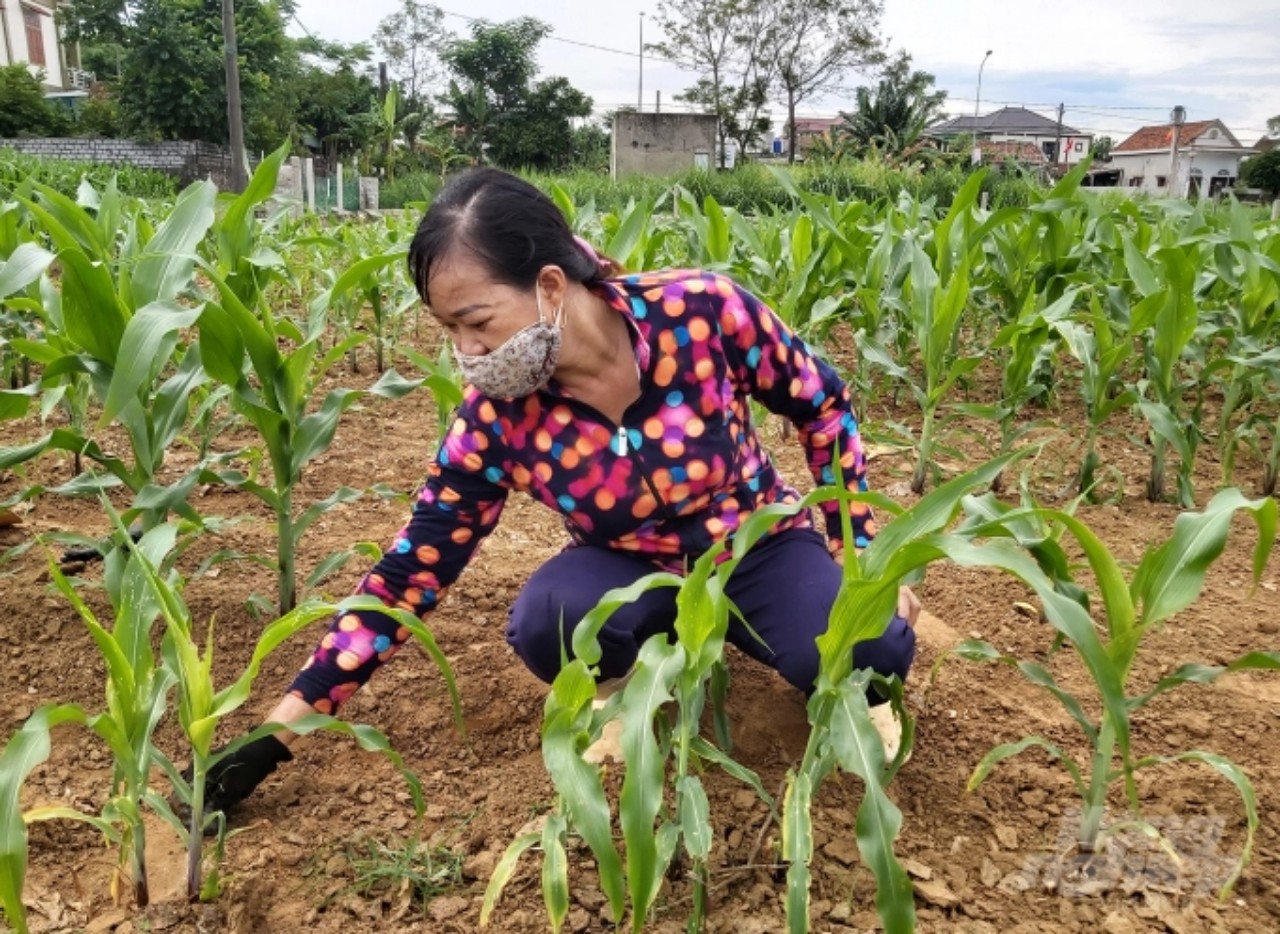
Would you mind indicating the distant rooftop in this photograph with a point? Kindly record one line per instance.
(1012, 121)
(1160, 137)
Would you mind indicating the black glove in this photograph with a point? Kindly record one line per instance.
(236, 776)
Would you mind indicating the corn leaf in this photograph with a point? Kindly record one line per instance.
(502, 873)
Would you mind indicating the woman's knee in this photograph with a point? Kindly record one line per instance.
(533, 630)
(891, 653)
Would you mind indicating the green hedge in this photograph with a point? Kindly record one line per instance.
(65, 176)
(753, 186)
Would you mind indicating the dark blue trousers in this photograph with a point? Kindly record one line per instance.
(784, 587)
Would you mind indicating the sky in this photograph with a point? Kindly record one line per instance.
(1116, 66)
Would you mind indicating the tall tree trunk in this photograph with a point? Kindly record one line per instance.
(792, 135)
(235, 118)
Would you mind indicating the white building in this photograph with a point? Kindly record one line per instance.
(29, 36)
(1017, 130)
(1208, 160)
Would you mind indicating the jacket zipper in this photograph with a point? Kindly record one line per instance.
(620, 432)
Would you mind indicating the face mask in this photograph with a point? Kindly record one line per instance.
(522, 365)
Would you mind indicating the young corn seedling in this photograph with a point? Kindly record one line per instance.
(1102, 344)
(137, 697)
(1169, 309)
(1168, 579)
(652, 831)
(274, 369)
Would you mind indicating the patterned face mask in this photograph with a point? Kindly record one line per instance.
(524, 362)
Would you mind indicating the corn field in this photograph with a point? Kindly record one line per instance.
(151, 349)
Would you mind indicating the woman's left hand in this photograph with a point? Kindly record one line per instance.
(908, 606)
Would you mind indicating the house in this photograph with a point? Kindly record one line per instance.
(29, 36)
(1058, 143)
(1024, 153)
(1205, 149)
(811, 129)
(1266, 144)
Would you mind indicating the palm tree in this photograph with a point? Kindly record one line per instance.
(891, 116)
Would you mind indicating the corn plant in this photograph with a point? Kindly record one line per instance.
(365, 283)
(1169, 310)
(118, 321)
(1168, 579)
(274, 368)
(136, 699)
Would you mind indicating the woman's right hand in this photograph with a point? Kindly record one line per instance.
(234, 777)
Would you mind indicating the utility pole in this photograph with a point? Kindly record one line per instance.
(657, 102)
(1177, 118)
(976, 155)
(235, 117)
(640, 92)
(1057, 142)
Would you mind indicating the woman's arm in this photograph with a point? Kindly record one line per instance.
(781, 371)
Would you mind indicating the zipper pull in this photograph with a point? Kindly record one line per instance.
(622, 441)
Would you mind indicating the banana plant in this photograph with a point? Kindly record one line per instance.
(1168, 579)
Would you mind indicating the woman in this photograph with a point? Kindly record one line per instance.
(623, 403)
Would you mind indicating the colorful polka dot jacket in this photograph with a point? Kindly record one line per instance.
(678, 473)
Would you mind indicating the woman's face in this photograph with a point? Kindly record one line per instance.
(480, 314)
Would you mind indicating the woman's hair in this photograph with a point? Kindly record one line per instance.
(510, 226)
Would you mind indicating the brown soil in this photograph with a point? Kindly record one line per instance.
(984, 860)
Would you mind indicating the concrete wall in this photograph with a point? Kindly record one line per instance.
(15, 31)
(188, 160)
(1150, 166)
(661, 144)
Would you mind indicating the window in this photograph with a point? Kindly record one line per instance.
(1160, 181)
(1079, 146)
(35, 37)
(1135, 182)
(1213, 134)
(1050, 151)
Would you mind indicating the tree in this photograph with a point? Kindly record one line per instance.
(170, 76)
(334, 97)
(892, 115)
(411, 40)
(502, 116)
(724, 41)
(23, 109)
(1273, 126)
(1263, 171)
(815, 43)
(1100, 149)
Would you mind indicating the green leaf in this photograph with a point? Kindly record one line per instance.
(1207, 674)
(25, 265)
(555, 871)
(502, 873)
(164, 269)
(655, 671)
(797, 849)
(26, 750)
(1008, 750)
(315, 432)
(695, 817)
(859, 749)
(91, 311)
(704, 749)
(564, 733)
(140, 353)
(1170, 577)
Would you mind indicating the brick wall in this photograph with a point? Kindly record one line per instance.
(187, 160)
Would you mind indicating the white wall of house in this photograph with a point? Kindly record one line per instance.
(1074, 148)
(14, 47)
(1144, 171)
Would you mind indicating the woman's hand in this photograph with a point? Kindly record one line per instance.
(908, 602)
(908, 606)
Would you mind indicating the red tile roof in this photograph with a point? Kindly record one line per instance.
(1026, 153)
(1266, 144)
(1161, 137)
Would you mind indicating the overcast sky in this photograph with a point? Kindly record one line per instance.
(1117, 66)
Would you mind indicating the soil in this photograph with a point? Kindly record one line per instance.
(996, 859)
